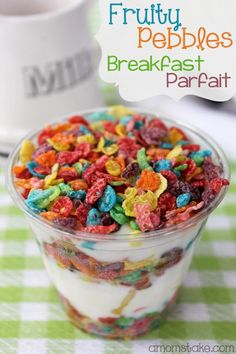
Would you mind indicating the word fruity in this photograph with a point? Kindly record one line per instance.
(155, 14)
(197, 81)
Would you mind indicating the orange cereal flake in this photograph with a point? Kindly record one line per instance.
(79, 184)
(48, 159)
(148, 180)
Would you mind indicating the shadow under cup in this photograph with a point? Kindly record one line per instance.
(119, 285)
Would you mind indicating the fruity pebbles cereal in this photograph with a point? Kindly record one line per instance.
(117, 200)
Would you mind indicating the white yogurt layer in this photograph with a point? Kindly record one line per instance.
(99, 299)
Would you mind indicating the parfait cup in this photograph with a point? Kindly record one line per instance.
(119, 285)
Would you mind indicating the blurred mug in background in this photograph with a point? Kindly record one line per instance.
(48, 67)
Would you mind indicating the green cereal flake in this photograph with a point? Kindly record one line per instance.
(143, 161)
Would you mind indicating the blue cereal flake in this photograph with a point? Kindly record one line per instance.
(108, 142)
(79, 167)
(119, 199)
(207, 153)
(84, 130)
(183, 200)
(183, 142)
(125, 120)
(40, 199)
(97, 116)
(166, 146)
(89, 245)
(202, 154)
(199, 156)
(80, 194)
(33, 207)
(176, 172)
(162, 165)
(31, 165)
(108, 200)
(86, 165)
(35, 199)
(138, 124)
(94, 217)
(38, 195)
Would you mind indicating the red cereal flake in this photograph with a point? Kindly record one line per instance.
(167, 201)
(191, 167)
(26, 193)
(157, 123)
(152, 135)
(128, 147)
(43, 170)
(199, 183)
(78, 120)
(21, 172)
(83, 149)
(100, 229)
(62, 206)
(100, 175)
(96, 191)
(192, 147)
(217, 183)
(93, 156)
(170, 176)
(142, 212)
(46, 134)
(98, 166)
(82, 213)
(107, 320)
(110, 127)
(68, 157)
(67, 173)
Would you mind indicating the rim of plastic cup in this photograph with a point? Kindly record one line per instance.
(158, 234)
(41, 16)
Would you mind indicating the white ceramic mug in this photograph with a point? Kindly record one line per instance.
(47, 65)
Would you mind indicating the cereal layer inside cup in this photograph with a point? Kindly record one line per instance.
(116, 172)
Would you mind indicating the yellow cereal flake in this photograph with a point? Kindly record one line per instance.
(139, 264)
(110, 150)
(125, 302)
(58, 146)
(120, 111)
(87, 138)
(163, 186)
(120, 130)
(52, 177)
(197, 171)
(113, 168)
(175, 152)
(26, 152)
(175, 136)
(131, 198)
(100, 145)
(97, 126)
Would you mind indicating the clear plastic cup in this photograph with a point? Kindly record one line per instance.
(119, 285)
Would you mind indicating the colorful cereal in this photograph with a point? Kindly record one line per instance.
(117, 168)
